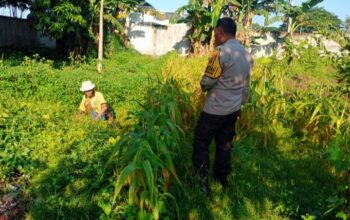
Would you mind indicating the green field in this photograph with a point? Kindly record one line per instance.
(288, 159)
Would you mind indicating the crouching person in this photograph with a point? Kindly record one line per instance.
(94, 104)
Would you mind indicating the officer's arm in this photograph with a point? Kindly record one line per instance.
(213, 71)
(207, 83)
(246, 82)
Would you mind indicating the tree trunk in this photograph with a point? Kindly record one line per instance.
(290, 20)
(212, 41)
(249, 27)
(100, 41)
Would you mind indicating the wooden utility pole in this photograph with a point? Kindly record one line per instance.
(291, 3)
(100, 41)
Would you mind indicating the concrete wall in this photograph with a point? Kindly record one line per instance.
(148, 35)
(157, 38)
(153, 39)
(17, 33)
(267, 43)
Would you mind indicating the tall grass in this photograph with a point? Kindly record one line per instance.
(290, 105)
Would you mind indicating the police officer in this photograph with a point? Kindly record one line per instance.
(226, 81)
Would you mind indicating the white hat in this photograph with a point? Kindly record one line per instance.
(86, 86)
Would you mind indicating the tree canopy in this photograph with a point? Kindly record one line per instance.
(74, 23)
(318, 19)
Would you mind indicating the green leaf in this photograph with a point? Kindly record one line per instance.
(122, 179)
(133, 190)
(315, 112)
(216, 12)
(143, 198)
(307, 5)
(334, 153)
(341, 215)
(147, 169)
(107, 208)
(234, 2)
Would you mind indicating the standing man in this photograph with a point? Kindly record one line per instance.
(226, 81)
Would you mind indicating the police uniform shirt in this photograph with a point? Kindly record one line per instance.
(226, 78)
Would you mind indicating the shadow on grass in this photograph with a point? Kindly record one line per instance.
(280, 182)
(11, 57)
(283, 181)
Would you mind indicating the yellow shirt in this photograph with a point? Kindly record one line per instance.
(96, 101)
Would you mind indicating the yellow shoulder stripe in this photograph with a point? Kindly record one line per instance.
(214, 68)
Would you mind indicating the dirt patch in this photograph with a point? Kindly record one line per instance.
(13, 202)
(305, 82)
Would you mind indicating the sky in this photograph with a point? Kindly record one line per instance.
(338, 7)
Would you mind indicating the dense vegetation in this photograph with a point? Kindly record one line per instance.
(290, 157)
(291, 152)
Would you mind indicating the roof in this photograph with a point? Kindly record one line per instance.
(146, 5)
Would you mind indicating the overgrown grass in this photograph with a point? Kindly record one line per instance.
(281, 167)
(141, 167)
(58, 159)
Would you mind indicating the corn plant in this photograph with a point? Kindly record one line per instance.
(261, 115)
(147, 152)
(318, 117)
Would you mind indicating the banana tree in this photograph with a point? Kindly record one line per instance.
(116, 13)
(114, 16)
(198, 16)
(301, 15)
(203, 16)
(244, 10)
(218, 6)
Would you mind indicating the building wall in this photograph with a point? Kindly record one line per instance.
(17, 33)
(153, 39)
(268, 43)
(150, 36)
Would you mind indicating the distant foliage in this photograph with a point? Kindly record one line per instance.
(75, 23)
(344, 73)
(319, 19)
(66, 21)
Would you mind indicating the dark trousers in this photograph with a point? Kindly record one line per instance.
(222, 129)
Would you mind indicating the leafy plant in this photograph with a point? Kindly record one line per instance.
(149, 149)
(339, 204)
(344, 74)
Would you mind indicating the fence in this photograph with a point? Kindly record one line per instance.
(18, 33)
